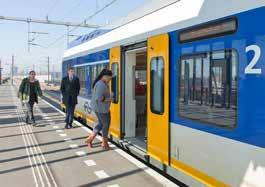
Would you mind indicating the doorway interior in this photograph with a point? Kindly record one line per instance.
(135, 113)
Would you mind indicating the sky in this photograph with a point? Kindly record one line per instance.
(14, 35)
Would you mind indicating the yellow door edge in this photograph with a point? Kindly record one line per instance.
(196, 174)
(115, 127)
(158, 159)
(115, 134)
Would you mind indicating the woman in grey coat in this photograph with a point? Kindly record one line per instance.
(100, 102)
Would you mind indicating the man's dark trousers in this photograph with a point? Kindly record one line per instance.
(70, 110)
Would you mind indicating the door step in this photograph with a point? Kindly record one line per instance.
(134, 149)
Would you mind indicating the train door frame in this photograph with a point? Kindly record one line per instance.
(124, 50)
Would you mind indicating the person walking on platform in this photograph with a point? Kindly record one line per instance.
(100, 103)
(70, 88)
(29, 91)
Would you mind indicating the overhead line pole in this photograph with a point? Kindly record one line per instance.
(28, 36)
(53, 74)
(12, 70)
(48, 70)
(0, 71)
(68, 37)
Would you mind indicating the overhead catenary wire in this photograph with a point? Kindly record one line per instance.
(49, 10)
(98, 11)
(83, 22)
(102, 9)
(72, 9)
(47, 21)
(95, 13)
(52, 7)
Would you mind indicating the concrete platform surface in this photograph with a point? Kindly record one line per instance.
(49, 155)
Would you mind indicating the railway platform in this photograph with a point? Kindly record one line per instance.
(49, 155)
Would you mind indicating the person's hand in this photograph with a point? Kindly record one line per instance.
(111, 97)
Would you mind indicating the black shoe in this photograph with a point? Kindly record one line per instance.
(33, 122)
(66, 126)
(27, 120)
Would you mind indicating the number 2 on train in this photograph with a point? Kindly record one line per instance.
(257, 52)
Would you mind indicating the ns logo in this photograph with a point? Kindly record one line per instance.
(87, 107)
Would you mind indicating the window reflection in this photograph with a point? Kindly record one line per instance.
(157, 85)
(208, 87)
(87, 75)
(81, 74)
(114, 82)
(94, 72)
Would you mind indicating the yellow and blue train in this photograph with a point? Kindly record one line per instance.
(189, 88)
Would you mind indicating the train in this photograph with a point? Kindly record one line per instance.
(188, 85)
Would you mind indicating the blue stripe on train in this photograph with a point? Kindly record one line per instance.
(90, 58)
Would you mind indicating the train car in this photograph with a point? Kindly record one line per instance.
(188, 84)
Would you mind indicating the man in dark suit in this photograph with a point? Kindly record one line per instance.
(70, 87)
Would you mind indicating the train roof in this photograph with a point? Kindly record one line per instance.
(85, 38)
(177, 15)
(146, 8)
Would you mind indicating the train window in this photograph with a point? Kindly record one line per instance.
(157, 85)
(93, 74)
(209, 30)
(81, 74)
(208, 87)
(115, 82)
(95, 71)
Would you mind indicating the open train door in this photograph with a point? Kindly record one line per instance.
(158, 96)
(115, 61)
